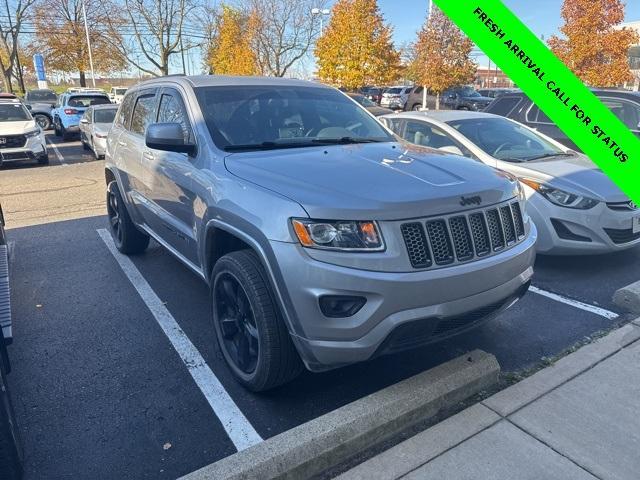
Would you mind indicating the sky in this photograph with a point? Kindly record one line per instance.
(541, 16)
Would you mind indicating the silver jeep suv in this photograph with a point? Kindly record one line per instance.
(325, 241)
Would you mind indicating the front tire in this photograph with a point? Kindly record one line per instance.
(10, 445)
(43, 121)
(126, 236)
(251, 333)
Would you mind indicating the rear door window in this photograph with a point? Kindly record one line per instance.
(124, 114)
(503, 106)
(535, 115)
(628, 112)
(143, 113)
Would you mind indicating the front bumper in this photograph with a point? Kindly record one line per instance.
(566, 231)
(99, 145)
(428, 299)
(33, 150)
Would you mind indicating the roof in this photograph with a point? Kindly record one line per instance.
(228, 80)
(447, 115)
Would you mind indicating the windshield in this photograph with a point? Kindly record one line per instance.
(468, 92)
(41, 96)
(105, 115)
(88, 100)
(394, 91)
(505, 140)
(13, 112)
(258, 117)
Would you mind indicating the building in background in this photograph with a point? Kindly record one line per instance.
(491, 77)
(634, 57)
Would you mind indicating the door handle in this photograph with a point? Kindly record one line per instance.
(148, 155)
(121, 143)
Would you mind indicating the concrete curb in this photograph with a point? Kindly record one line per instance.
(628, 298)
(333, 438)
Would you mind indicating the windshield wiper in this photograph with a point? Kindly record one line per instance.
(346, 140)
(549, 155)
(265, 146)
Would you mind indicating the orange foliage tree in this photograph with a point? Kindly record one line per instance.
(594, 47)
(231, 51)
(356, 48)
(442, 55)
(60, 36)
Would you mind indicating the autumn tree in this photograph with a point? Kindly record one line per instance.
(10, 29)
(594, 47)
(284, 32)
(60, 36)
(442, 55)
(231, 51)
(356, 48)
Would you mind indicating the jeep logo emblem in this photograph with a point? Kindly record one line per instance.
(464, 201)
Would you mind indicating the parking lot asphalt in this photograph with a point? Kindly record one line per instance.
(101, 392)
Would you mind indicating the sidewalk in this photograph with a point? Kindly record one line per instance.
(577, 419)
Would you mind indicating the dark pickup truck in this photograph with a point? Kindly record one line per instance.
(10, 449)
(41, 102)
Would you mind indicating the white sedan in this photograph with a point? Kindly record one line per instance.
(578, 210)
(94, 127)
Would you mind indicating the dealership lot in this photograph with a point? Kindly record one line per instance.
(116, 368)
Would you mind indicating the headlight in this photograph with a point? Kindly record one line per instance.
(560, 197)
(32, 133)
(339, 235)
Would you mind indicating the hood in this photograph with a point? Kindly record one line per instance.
(578, 174)
(377, 111)
(375, 181)
(16, 128)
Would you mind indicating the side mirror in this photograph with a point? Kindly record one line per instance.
(451, 149)
(168, 137)
(84, 121)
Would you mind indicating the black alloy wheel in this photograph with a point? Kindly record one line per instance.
(237, 322)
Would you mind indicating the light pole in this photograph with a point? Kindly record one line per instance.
(322, 13)
(86, 30)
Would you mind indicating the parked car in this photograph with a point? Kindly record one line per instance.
(577, 209)
(415, 99)
(495, 92)
(322, 238)
(517, 106)
(116, 94)
(20, 136)
(375, 94)
(42, 101)
(395, 97)
(94, 127)
(71, 107)
(464, 98)
(370, 105)
(11, 454)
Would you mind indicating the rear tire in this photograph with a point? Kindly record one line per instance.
(252, 324)
(10, 446)
(126, 236)
(43, 121)
(56, 127)
(416, 107)
(66, 136)
(44, 159)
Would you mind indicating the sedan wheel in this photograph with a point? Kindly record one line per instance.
(43, 121)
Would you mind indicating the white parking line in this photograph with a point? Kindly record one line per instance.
(58, 154)
(575, 303)
(238, 428)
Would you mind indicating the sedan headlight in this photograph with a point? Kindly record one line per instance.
(561, 197)
(339, 234)
(32, 133)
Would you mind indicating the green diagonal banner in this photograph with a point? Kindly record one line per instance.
(552, 86)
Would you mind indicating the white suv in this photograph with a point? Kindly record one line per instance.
(20, 137)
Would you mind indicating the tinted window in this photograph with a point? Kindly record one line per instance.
(291, 116)
(124, 113)
(418, 90)
(41, 96)
(503, 106)
(628, 112)
(172, 110)
(13, 112)
(143, 113)
(536, 115)
(87, 101)
(104, 115)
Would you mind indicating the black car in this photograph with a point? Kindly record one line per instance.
(517, 106)
(464, 98)
(495, 92)
(41, 102)
(10, 449)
